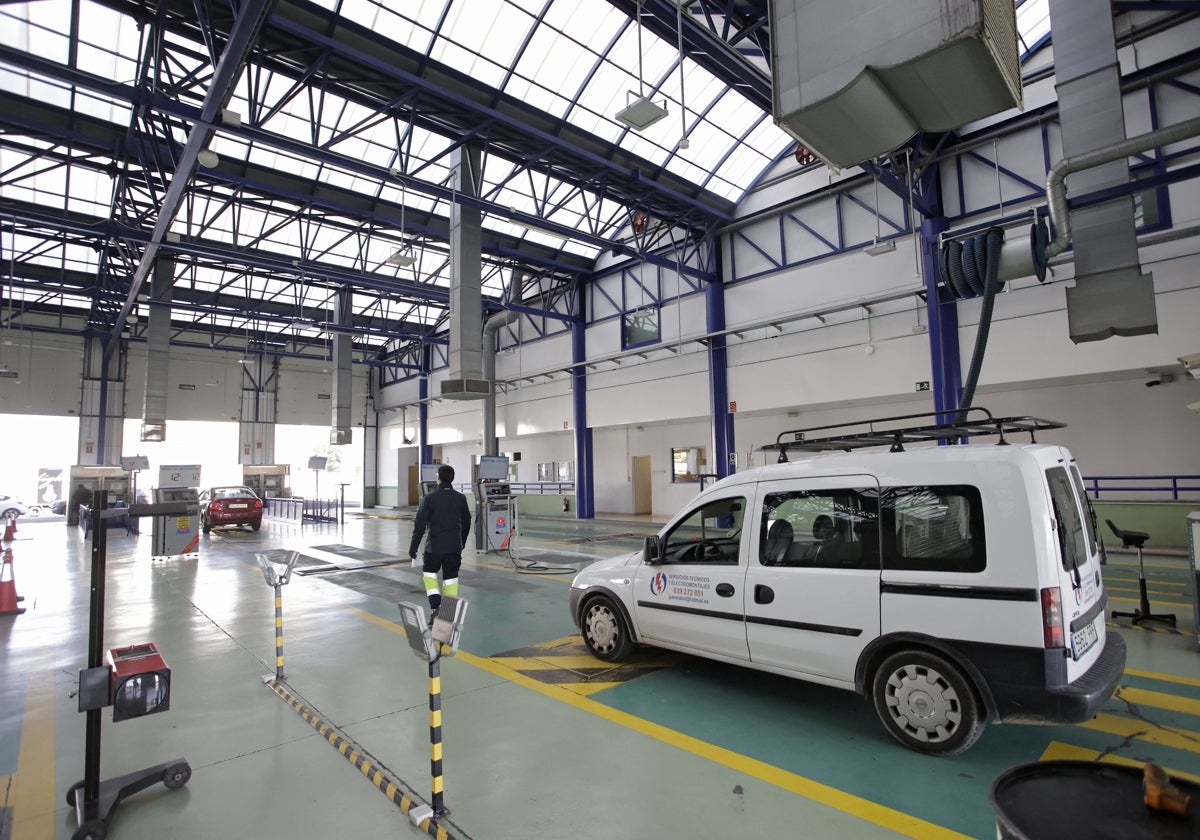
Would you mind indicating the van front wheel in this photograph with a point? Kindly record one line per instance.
(604, 630)
(926, 703)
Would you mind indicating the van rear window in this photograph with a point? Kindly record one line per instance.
(1068, 521)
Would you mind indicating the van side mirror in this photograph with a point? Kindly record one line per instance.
(652, 551)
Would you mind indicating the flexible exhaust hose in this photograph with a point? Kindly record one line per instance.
(989, 245)
(952, 256)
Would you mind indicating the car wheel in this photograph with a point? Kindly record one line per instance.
(254, 526)
(926, 703)
(205, 525)
(604, 630)
(13, 512)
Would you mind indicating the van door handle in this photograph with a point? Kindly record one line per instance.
(763, 594)
(725, 590)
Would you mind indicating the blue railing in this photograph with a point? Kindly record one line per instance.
(1172, 484)
(529, 488)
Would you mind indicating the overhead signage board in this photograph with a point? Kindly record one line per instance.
(178, 475)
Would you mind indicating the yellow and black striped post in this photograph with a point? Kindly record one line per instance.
(435, 735)
(279, 633)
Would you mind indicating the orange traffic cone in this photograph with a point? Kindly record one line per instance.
(8, 587)
(10, 528)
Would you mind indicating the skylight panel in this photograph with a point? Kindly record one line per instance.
(592, 25)
(90, 191)
(99, 106)
(499, 37)
(1033, 23)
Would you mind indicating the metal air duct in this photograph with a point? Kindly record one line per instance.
(489, 373)
(158, 351)
(854, 79)
(466, 380)
(343, 358)
(1111, 295)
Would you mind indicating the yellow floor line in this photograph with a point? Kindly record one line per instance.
(1154, 602)
(1123, 727)
(1058, 751)
(1159, 700)
(848, 803)
(587, 689)
(32, 793)
(1155, 675)
(553, 663)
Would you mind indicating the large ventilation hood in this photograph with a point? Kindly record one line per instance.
(854, 79)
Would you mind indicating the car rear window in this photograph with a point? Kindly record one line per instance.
(233, 493)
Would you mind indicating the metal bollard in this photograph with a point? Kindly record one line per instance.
(278, 571)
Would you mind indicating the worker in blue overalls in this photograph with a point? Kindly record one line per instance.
(446, 514)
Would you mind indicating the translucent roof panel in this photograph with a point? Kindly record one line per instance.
(584, 62)
(1033, 24)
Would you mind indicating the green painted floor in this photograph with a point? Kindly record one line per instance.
(539, 738)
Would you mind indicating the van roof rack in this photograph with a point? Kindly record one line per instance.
(942, 425)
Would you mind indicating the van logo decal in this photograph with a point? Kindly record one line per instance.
(658, 583)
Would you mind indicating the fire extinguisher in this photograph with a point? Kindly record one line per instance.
(566, 504)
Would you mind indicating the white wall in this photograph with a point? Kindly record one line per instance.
(797, 337)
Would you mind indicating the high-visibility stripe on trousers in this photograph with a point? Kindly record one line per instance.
(430, 579)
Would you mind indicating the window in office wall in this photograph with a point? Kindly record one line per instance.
(687, 463)
(566, 471)
(547, 471)
(640, 327)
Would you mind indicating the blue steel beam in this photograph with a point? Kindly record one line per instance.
(455, 104)
(242, 37)
(104, 138)
(585, 467)
(717, 52)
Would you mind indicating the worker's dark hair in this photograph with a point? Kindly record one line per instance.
(445, 474)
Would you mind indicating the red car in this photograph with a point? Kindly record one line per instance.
(221, 506)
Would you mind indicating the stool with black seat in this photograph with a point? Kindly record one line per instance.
(1137, 539)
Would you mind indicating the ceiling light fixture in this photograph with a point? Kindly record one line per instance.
(878, 248)
(208, 158)
(684, 142)
(640, 112)
(400, 257)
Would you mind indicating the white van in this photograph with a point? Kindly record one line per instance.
(951, 585)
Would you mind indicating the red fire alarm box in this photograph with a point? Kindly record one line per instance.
(141, 681)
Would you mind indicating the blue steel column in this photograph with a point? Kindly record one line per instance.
(585, 500)
(424, 450)
(718, 372)
(942, 312)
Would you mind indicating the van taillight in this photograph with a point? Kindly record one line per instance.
(1052, 618)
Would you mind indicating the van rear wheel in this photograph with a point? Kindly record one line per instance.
(926, 703)
(604, 630)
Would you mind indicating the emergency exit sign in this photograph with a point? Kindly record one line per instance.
(923, 385)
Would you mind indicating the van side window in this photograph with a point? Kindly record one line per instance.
(828, 529)
(1072, 540)
(934, 528)
(710, 534)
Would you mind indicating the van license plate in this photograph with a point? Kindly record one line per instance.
(1082, 640)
